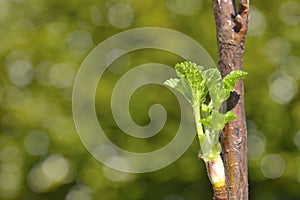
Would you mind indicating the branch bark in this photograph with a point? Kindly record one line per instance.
(232, 25)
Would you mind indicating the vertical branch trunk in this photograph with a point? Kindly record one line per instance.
(232, 24)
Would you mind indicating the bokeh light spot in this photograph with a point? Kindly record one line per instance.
(282, 89)
(272, 166)
(36, 143)
(37, 181)
(120, 15)
(61, 75)
(257, 24)
(256, 144)
(277, 49)
(96, 16)
(291, 66)
(80, 42)
(20, 73)
(115, 175)
(289, 12)
(80, 192)
(105, 151)
(55, 168)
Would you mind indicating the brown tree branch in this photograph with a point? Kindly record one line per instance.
(232, 25)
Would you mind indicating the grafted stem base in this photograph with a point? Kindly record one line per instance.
(220, 193)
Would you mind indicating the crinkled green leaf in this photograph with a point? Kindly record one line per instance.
(209, 146)
(216, 121)
(231, 79)
(206, 144)
(213, 124)
(182, 86)
(192, 73)
(213, 81)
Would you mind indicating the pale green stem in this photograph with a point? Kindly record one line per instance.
(201, 136)
(214, 165)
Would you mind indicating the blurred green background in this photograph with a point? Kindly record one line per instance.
(42, 45)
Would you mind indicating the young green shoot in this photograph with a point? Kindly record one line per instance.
(206, 91)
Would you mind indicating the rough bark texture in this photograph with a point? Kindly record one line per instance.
(232, 24)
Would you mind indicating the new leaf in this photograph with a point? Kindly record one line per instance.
(198, 86)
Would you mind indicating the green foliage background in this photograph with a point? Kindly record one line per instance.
(42, 45)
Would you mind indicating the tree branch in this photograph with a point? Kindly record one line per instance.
(232, 25)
